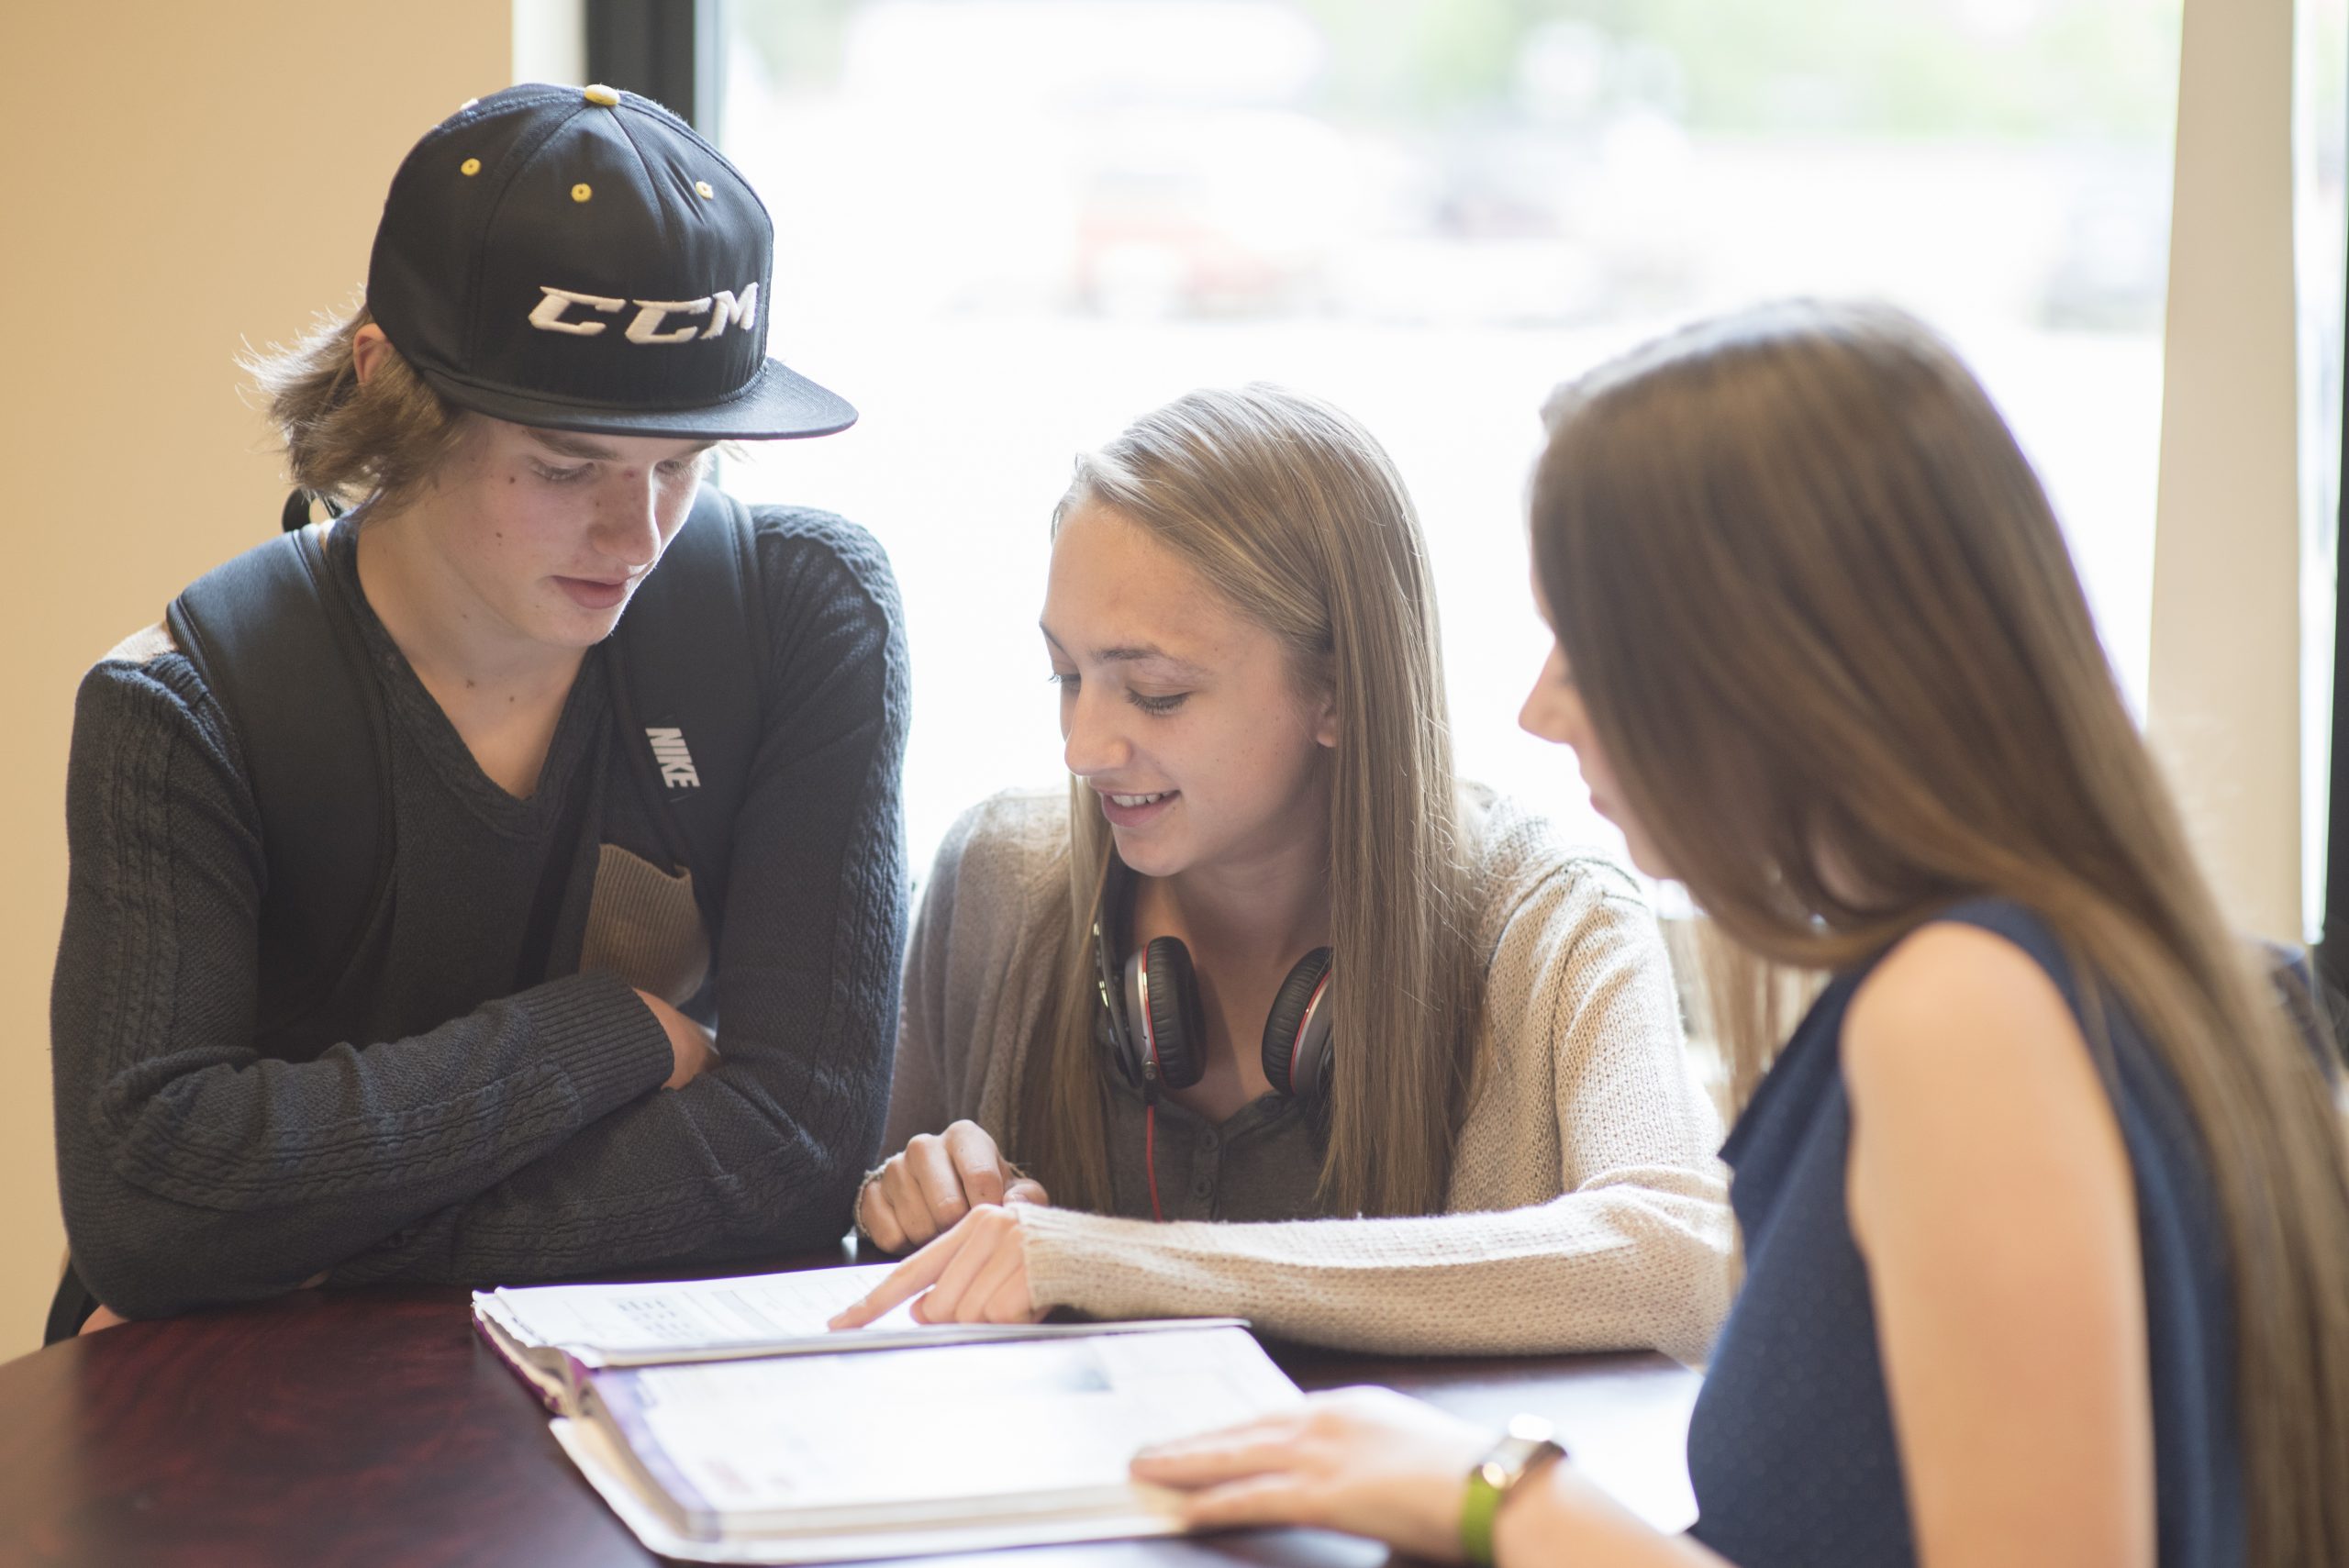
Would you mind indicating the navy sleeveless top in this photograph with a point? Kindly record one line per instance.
(1791, 1449)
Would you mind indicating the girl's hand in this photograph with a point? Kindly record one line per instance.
(1365, 1461)
(924, 1192)
(974, 1273)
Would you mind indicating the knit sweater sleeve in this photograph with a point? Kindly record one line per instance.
(762, 1153)
(191, 1169)
(918, 1083)
(971, 981)
(1631, 1252)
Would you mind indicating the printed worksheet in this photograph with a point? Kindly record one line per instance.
(628, 1320)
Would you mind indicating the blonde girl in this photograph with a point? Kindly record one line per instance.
(1481, 1137)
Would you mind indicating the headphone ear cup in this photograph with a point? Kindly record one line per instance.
(1176, 1028)
(1133, 1037)
(1297, 1032)
(1110, 1034)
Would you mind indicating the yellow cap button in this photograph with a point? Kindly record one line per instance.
(601, 96)
(580, 192)
(703, 186)
(470, 166)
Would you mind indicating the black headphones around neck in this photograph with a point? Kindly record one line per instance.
(1151, 1024)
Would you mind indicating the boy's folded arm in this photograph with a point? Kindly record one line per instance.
(191, 1169)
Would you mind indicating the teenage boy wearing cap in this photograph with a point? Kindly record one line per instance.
(515, 1070)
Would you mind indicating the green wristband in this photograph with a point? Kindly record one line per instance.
(1477, 1512)
(1526, 1446)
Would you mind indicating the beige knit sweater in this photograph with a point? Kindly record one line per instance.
(1586, 1211)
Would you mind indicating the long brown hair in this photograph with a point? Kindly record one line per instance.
(1293, 514)
(1819, 612)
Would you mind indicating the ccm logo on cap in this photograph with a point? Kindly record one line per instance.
(723, 309)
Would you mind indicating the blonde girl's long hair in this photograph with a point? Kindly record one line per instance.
(1818, 609)
(1294, 516)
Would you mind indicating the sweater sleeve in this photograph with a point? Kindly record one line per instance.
(762, 1153)
(917, 1083)
(1632, 1252)
(192, 1170)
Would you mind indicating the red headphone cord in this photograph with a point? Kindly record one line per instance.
(1150, 1157)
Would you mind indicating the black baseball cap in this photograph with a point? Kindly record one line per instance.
(579, 258)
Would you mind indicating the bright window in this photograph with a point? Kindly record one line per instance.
(1004, 227)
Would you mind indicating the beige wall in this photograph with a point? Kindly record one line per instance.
(2225, 693)
(183, 178)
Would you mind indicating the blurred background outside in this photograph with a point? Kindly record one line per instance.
(1006, 226)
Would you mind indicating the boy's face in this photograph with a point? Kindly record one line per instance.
(552, 532)
(544, 535)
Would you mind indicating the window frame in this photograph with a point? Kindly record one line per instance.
(669, 50)
(2333, 946)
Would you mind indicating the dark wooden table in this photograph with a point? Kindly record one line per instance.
(372, 1427)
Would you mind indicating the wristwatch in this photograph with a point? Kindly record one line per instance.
(1524, 1448)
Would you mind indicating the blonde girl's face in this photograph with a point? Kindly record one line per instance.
(1554, 710)
(1179, 714)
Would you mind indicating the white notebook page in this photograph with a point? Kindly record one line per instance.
(685, 1314)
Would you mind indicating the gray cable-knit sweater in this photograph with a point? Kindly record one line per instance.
(462, 1130)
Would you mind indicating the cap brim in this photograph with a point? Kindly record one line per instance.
(779, 403)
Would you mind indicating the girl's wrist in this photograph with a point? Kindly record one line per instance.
(864, 1237)
(1527, 1447)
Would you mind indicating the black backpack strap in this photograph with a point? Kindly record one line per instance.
(688, 662)
(290, 675)
(69, 1308)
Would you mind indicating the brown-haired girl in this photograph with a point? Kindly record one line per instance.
(2045, 1207)
(1264, 964)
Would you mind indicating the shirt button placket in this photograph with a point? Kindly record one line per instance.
(1204, 1162)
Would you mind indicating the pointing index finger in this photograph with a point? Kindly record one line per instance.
(906, 1281)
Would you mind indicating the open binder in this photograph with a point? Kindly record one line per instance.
(723, 1424)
